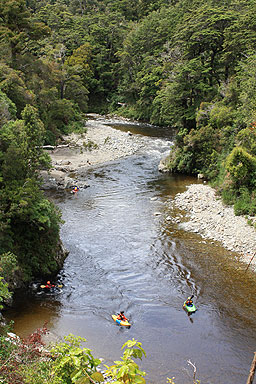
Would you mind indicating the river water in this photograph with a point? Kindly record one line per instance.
(126, 254)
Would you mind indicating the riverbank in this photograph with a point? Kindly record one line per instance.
(206, 215)
(78, 152)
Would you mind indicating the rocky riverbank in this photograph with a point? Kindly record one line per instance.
(205, 213)
(207, 216)
(78, 152)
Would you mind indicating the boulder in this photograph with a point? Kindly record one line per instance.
(162, 167)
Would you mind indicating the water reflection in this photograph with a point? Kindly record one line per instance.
(32, 311)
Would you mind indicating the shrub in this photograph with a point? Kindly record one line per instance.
(8, 265)
(245, 204)
(90, 145)
(74, 364)
(242, 167)
(4, 292)
(127, 371)
(228, 196)
(246, 138)
(17, 354)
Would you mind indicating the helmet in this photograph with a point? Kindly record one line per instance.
(122, 312)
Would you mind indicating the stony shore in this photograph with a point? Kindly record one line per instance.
(207, 216)
(78, 152)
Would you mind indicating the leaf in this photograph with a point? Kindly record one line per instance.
(139, 380)
(123, 371)
(76, 361)
(83, 380)
(96, 362)
(74, 375)
(129, 343)
(97, 376)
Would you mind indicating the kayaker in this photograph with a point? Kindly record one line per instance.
(49, 285)
(189, 302)
(121, 316)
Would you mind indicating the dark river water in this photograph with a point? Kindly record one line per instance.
(126, 254)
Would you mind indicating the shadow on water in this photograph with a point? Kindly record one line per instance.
(127, 253)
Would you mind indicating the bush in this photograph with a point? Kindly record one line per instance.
(4, 292)
(242, 167)
(228, 196)
(245, 204)
(127, 371)
(17, 354)
(246, 138)
(8, 265)
(74, 364)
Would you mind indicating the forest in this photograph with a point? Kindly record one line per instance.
(185, 64)
(188, 65)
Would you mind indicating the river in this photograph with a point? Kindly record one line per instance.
(126, 254)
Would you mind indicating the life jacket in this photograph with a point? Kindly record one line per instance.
(49, 285)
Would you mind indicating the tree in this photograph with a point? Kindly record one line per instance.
(29, 223)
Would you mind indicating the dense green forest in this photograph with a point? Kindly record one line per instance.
(185, 64)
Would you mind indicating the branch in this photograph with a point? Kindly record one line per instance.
(193, 365)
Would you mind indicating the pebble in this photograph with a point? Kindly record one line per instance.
(209, 217)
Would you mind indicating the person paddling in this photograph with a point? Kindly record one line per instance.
(189, 301)
(121, 316)
(75, 189)
(49, 285)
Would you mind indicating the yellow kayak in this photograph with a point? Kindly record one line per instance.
(121, 322)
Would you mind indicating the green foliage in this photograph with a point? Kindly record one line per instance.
(8, 265)
(63, 113)
(127, 371)
(4, 292)
(74, 364)
(29, 222)
(228, 196)
(245, 203)
(246, 138)
(242, 167)
(7, 109)
(90, 145)
(27, 361)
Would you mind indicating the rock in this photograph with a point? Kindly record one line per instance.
(61, 255)
(162, 167)
(66, 183)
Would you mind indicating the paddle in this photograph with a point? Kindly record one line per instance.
(189, 298)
